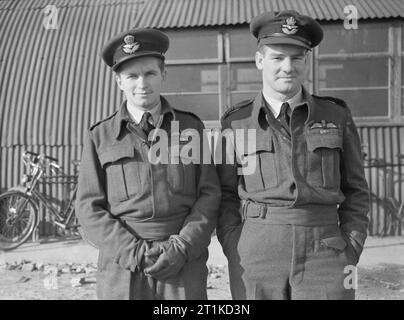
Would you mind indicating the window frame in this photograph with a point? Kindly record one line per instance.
(218, 62)
(393, 77)
(228, 63)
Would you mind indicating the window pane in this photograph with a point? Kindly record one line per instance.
(363, 103)
(190, 44)
(367, 38)
(191, 78)
(242, 43)
(245, 76)
(205, 106)
(358, 73)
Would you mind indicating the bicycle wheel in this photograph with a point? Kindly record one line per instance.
(17, 219)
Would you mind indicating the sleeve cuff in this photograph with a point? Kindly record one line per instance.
(357, 240)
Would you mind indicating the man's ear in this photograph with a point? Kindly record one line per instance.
(259, 57)
(118, 80)
(307, 55)
(164, 74)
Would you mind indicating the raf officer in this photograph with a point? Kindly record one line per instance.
(291, 227)
(152, 221)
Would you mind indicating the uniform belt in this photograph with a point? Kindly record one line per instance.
(312, 215)
(155, 229)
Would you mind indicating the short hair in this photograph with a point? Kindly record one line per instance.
(160, 62)
(261, 48)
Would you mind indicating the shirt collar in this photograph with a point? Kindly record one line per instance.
(275, 105)
(260, 104)
(136, 114)
(122, 116)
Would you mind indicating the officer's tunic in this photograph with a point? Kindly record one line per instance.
(123, 197)
(290, 227)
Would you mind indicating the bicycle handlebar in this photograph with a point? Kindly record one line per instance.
(41, 160)
(45, 156)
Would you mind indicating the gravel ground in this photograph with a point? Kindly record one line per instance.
(380, 272)
(381, 283)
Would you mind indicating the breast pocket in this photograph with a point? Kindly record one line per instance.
(259, 165)
(181, 173)
(324, 147)
(122, 165)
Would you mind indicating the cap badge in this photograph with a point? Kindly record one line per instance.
(290, 26)
(130, 45)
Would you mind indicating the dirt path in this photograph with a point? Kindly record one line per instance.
(380, 272)
(385, 282)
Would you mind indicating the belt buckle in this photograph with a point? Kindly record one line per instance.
(263, 212)
(244, 205)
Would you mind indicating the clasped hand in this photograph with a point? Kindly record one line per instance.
(164, 260)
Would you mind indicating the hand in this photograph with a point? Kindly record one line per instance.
(350, 249)
(130, 257)
(169, 262)
(151, 254)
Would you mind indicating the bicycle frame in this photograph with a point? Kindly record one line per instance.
(29, 186)
(388, 206)
(21, 204)
(61, 220)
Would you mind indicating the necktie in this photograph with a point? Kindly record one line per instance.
(145, 123)
(284, 117)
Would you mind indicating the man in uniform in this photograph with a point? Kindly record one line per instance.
(296, 226)
(152, 221)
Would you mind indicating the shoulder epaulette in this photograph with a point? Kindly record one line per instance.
(236, 107)
(338, 101)
(103, 120)
(187, 112)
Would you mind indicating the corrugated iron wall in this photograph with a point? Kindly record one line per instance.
(386, 179)
(53, 83)
(195, 13)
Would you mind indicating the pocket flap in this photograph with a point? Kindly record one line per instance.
(335, 242)
(115, 153)
(331, 140)
(263, 143)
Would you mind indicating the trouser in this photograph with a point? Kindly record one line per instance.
(270, 261)
(116, 283)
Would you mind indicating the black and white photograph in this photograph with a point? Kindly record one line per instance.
(202, 150)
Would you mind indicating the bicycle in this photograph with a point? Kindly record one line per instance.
(19, 206)
(386, 206)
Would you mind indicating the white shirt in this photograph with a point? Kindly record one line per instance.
(275, 105)
(137, 114)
